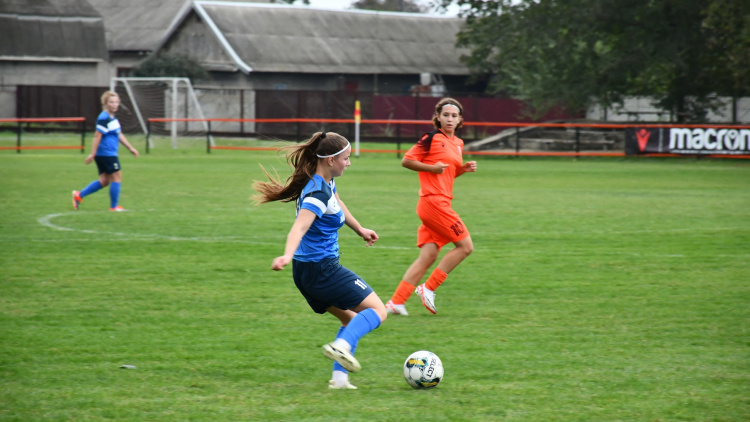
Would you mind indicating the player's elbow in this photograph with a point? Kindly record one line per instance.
(409, 164)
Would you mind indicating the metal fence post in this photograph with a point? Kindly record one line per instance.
(18, 138)
(208, 138)
(83, 135)
(398, 140)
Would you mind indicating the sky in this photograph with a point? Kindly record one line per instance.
(344, 4)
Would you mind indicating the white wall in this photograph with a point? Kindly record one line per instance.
(635, 109)
(54, 73)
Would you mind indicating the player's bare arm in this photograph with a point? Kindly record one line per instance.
(301, 224)
(130, 148)
(368, 235)
(468, 167)
(415, 165)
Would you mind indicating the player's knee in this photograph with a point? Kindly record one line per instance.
(383, 315)
(381, 312)
(429, 256)
(428, 260)
(378, 307)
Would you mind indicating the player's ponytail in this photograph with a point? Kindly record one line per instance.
(304, 159)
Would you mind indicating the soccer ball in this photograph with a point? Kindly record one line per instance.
(423, 369)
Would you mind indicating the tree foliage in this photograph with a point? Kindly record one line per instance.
(390, 6)
(171, 65)
(683, 53)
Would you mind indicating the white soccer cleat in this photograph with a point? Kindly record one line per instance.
(346, 386)
(427, 296)
(343, 357)
(395, 309)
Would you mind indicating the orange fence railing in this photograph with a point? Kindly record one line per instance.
(39, 123)
(427, 125)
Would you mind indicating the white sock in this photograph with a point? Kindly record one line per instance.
(340, 378)
(340, 343)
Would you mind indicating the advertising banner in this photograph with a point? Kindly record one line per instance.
(690, 141)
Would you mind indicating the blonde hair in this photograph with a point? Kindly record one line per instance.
(304, 160)
(439, 108)
(107, 95)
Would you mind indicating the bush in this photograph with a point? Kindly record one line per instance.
(173, 66)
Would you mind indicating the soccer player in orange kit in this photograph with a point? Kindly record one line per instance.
(437, 156)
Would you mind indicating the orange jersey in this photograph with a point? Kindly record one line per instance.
(444, 150)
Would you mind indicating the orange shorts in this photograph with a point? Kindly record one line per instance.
(440, 224)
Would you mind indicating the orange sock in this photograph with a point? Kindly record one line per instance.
(402, 293)
(436, 279)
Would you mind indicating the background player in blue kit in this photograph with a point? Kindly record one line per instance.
(312, 247)
(107, 140)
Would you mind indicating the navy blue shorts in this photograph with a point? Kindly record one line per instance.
(327, 283)
(107, 164)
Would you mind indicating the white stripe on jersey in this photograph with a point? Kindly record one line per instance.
(315, 202)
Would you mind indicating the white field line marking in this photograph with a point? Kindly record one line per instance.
(46, 221)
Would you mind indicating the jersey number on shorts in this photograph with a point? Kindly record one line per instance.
(458, 228)
(361, 284)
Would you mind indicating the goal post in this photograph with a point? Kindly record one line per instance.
(144, 98)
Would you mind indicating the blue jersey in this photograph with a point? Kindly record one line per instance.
(321, 240)
(109, 127)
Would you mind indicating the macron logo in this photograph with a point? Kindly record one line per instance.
(642, 136)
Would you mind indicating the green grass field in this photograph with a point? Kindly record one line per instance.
(599, 290)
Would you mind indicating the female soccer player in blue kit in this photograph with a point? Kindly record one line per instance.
(312, 247)
(107, 137)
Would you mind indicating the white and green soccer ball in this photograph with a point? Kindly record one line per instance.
(423, 369)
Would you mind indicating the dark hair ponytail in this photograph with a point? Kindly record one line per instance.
(304, 159)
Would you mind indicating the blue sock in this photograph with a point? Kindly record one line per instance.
(114, 193)
(360, 325)
(336, 366)
(91, 188)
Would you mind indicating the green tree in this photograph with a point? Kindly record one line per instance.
(580, 52)
(171, 65)
(728, 25)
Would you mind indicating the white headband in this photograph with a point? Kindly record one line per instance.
(333, 155)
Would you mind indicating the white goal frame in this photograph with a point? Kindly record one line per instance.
(173, 84)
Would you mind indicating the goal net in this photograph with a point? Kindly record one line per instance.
(163, 98)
